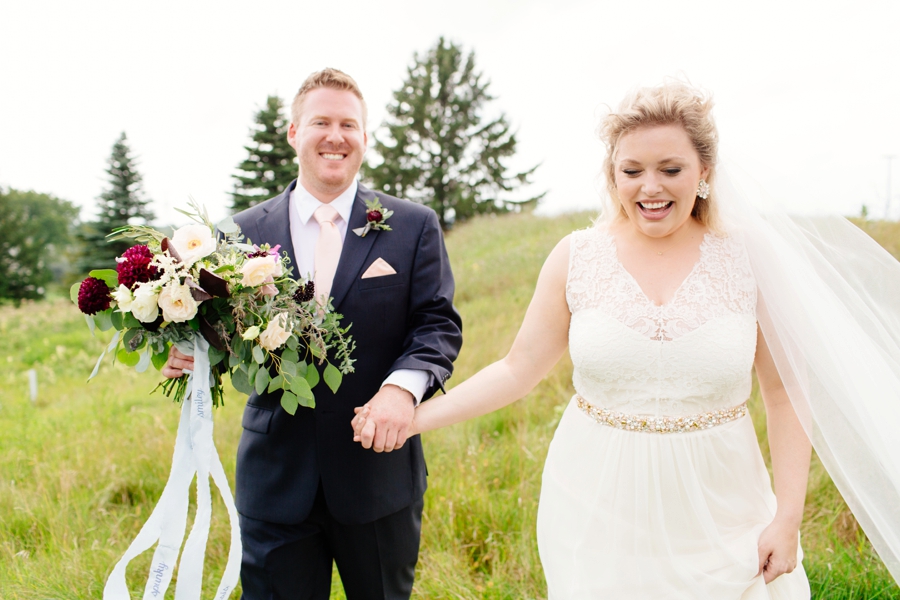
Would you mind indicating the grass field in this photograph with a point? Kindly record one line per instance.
(83, 465)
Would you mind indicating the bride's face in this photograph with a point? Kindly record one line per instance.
(657, 173)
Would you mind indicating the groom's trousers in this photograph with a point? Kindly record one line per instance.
(376, 561)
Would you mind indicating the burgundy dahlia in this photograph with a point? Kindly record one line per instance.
(374, 216)
(305, 292)
(93, 296)
(135, 266)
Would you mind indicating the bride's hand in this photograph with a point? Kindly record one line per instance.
(778, 544)
(366, 435)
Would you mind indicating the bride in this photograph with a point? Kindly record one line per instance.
(654, 484)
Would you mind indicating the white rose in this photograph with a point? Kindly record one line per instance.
(275, 334)
(257, 270)
(177, 304)
(123, 298)
(193, 242)
(144, 307)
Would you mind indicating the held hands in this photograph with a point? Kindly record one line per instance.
(385, 422)
(177, 364)
(778, 544)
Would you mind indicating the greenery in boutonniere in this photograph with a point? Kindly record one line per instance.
(376, 215)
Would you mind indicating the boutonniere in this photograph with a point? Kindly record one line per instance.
(376, 215)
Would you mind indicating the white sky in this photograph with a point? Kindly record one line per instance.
(807, 92)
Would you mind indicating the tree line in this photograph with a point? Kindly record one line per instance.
(436, 146)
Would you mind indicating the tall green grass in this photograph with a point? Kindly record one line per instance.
(81, 468)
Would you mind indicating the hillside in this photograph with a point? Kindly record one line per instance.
(81, 467)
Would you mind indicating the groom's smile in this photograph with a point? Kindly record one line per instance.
(330, 139)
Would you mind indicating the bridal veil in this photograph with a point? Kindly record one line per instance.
(829, 309)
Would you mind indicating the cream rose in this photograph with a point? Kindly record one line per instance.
(257, 271)
(177, 304)
(123, 298)
(145, 307)
(193, 242)
(275, 334)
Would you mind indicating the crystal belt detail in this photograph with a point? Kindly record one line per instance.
(663, 424)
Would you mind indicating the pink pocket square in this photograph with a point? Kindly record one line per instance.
(379, 268)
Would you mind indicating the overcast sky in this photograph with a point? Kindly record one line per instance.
(807, 93)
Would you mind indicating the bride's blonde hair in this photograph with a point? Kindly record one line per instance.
(672, 103)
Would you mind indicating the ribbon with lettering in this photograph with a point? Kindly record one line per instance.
(195, 453)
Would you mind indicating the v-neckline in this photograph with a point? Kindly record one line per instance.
(615, 251)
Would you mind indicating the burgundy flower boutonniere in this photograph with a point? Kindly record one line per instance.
(376, 215)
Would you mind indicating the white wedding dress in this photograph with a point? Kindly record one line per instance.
(630, 512)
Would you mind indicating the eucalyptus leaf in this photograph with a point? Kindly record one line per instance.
(276, 383)
(307, 402)
(332, 377)
(259, 354)
(261, 381)
(159, 359)
(302, 367)
(90, 322)
(109, 277)
(127, 358)
(312, 376)
(251, 372)
(290, 356)
(103, 321)
(215, 356)
(227, 225)
(233, 360)
(73, 292)
(289, 368)
(240, 382)
(289, 403)
(130, 322)
(301, 387)
(115, 318)
(96, 366)
(114, 341)
(315, 351)
(144, 362)
(292, 343)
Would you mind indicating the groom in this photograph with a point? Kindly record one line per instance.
(307, 494)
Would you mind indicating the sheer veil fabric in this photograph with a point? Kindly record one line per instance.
(829, 309)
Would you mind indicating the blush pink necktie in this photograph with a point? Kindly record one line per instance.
(328, 251)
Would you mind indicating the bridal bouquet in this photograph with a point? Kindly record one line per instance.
(239, 297)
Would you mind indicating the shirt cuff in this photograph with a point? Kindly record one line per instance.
(413, 381)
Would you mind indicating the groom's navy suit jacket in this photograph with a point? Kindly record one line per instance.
(400, 321)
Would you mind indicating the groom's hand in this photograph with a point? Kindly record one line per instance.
(177, 363)
(389, 415)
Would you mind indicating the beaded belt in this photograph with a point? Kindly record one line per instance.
(651, 424)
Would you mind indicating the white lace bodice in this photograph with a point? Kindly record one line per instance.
(691, 355)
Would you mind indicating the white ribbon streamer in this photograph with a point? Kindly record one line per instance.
(195, 452)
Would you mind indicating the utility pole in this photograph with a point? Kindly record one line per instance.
(887, 204)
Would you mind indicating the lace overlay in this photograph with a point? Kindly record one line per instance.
(691, 355)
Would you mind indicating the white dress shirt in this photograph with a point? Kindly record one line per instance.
(305, 234)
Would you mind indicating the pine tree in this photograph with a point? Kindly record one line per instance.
(437, 147)
(269, 167)
(122, 203)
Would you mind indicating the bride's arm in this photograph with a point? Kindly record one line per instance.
(538, 346)
(790, 450)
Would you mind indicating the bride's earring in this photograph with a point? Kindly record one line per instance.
(703, 190)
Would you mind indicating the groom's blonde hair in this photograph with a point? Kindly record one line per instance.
(326, 78)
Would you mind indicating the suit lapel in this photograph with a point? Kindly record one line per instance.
(275, 226)
(355, 249)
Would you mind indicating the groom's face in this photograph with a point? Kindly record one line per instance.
(330, 139)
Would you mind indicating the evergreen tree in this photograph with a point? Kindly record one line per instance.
(438, 148)
(122, 203)
(269, 167)
(34, 232)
